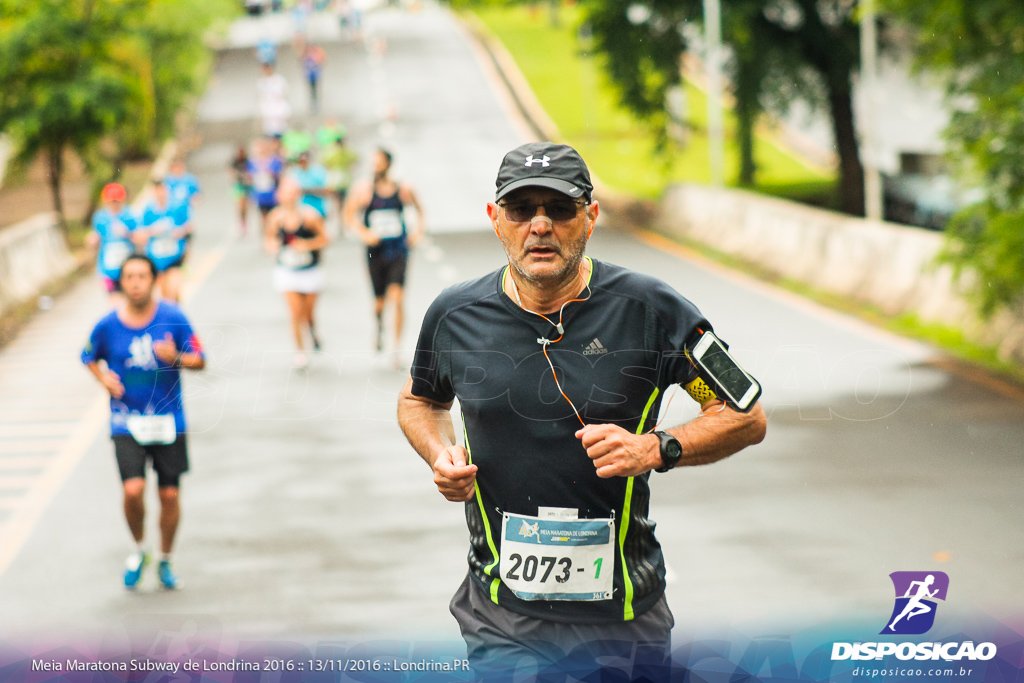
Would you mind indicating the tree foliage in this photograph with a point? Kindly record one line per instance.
(102, 78)
(978, 46)
(781, 49)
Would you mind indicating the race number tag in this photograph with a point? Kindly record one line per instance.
(152, 429)
(293, 258)
(164, 247)
(114, 254)
(386, 223)
(557, 559)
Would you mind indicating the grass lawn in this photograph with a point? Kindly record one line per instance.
(618, 148)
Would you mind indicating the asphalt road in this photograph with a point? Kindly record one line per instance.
(307, 515)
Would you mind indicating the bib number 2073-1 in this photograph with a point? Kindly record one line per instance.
(557, 559)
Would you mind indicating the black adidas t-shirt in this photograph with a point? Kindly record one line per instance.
(621, 350)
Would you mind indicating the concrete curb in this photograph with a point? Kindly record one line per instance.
(34, 256)
(887, 265)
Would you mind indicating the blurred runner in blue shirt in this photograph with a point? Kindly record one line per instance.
(266, 51)
(265, 170)
(136, 352)
(112, 228)
(167, 227)
(312, 178)
(182, 185)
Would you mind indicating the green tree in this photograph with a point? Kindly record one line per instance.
(102, 78)
(978, 46)
(58, 92)
(781, 49)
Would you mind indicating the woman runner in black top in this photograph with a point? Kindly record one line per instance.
(295, 235)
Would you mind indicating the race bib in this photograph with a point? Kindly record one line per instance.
(557, 559)
(114, 254)
(152, 429)
(263, 182)
(386, 223)
(164, 247)
(293, 258)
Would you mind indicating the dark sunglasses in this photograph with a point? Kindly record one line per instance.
(556, 210)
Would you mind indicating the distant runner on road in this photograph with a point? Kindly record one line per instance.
(242, 186)
(312, 178)
(167, 228)
(112, 228)
(136, 352)
(295, 235)
(183, 186)
(376, 213)
(265, 170)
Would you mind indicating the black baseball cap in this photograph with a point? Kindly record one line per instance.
(544, 164)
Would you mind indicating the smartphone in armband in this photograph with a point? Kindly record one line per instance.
(724, 375)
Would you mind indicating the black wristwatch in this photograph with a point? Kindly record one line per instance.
(671, 451)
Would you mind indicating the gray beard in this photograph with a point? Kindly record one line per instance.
(573, 258)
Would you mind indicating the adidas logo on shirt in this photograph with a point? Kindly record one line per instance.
(595, 348)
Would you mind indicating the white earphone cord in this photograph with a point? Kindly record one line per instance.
(561, 331)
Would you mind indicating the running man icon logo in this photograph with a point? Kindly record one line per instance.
(527, 530)
(530, 161)
(916, 592)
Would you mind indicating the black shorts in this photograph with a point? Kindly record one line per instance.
(385, 271)
(170, 461)
(266, 208)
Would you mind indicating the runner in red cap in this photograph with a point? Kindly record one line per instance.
(112, 227)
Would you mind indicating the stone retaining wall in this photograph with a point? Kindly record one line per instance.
(888, 265)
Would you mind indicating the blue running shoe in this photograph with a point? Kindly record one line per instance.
(133, 569)
(168, 579)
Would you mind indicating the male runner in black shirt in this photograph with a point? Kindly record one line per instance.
(559, 363)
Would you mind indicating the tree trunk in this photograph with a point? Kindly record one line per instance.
(554, 13)
(851, 173)
(747, 110)
(55, 167)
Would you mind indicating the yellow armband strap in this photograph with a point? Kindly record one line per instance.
(700, 392)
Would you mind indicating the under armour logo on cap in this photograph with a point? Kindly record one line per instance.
(544, 164)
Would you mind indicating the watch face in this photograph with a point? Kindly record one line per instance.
(673, 449)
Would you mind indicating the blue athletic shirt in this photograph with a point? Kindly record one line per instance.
(151, 387)
(313, 178)
(163, 247)
(115, 244)
(182, 188)
(266, 173)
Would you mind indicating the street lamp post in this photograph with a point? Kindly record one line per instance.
(869, 136)
(713, 63)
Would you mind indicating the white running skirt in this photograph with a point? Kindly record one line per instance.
(305, 281)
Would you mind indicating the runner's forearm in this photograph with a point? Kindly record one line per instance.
(97, 371)
(718, 433)
(191, 361)
(427, 426)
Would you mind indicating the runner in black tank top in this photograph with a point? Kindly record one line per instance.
(375, 213)
(295, 235)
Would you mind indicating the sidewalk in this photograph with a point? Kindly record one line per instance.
(50, 410)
